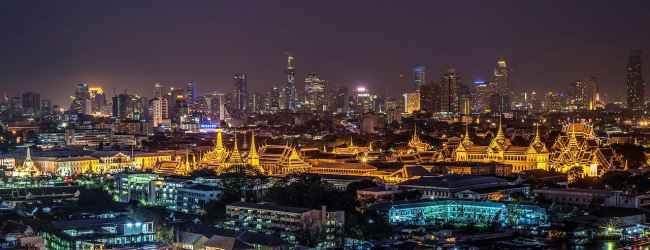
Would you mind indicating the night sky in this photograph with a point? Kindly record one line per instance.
(48, 46)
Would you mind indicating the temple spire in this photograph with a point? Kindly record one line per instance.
(253, 157)
(466, 139)
(219, 144)
(500, 130)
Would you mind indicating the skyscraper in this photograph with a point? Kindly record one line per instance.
(31, 103)
(240, 92)
(290, 88)
(449, 92)
(502, 87)
(578, 96)
(411, 102)
(190, 91)
(419, 76)
(315, 93)
(635, 84)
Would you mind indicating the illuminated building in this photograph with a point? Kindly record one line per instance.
(411, 102)
(417, 145)
(419, 76)
(95, 137)
(483, 91)
(469, 187)
(635, 84)
(193, 198)
(340, 99)
(483, 213)
(289, 91)
(159, 111)
(190, 91)
(500, 150)
(28, 168)
(269, 218)
(577, 152)
(450, 92)
(503, 89)
(315, 93)
(222, 160)
(336, 167)
(363, 100)
(281, 160)
(106, 231)
(240, 92)
(68, 166)
(578, 96)
(97, 100)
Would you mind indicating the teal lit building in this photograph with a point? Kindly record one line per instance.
(482, 213)
(107, 231)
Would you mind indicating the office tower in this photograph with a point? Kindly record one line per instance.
(240, 92)
(411, 102)
(482, 93)
(81, 99)
(159, 111)
(428, 97)
(393, 109)
(577, 96)
(340, 99)
(363, 100)
(190, 91)
(502, 87)
(289, 93)
(97, 99)
(419, 76)
(276, 99)
(31, 103)
(314, 93)
(128, 107)
(635, 84)
(160, 90)
(596, 100)
(449, 92)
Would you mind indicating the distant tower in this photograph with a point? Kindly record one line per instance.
(503, 88)
(240, 92)
(635, 84)
(314, 93)
(450, 92)
(290, 88)
(190, 91)
(419, 76)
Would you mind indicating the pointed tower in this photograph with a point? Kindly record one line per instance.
(235, 156)
(27, 169)
(573, 140)
(466, 140)
(253, 157)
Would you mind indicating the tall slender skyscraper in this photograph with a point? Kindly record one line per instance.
(419, 76)
(190, 91)
(290, 89)
(503, 88)
(635, 84)
(449, 92)
(240, 92)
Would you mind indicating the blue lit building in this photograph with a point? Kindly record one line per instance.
(482, 213)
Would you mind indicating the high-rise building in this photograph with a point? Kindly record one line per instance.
(578, 96)
(81, 103)
(553, 102)
(31, 103)
(340, 99)
(240, 92)
(635, 84)
(411, 102)
(363, 100)
(190, 91)
(419, 76)
(483, 92)
(450, 92)
(98, 100)
(315, 93)
(430, 97)
(502, 87)
(289, 92)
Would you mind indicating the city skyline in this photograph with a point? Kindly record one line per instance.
(203, 45)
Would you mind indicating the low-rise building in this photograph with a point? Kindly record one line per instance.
(590, 197)
(100, 232)
(465, 187)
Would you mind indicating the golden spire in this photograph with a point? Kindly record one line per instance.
(573, 140)
(466, 139)
(253, 157)
(537, 138)
(219, 145)
(351, 142)
(235, 157)
(500, 130)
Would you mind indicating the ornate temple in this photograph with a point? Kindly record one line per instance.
(28, 168)
(277, 160)
(223, 161)
(178, 167)
(500, 150)
(416, 145)
(578, 152)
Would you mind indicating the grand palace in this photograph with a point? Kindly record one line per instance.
(576, 151)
